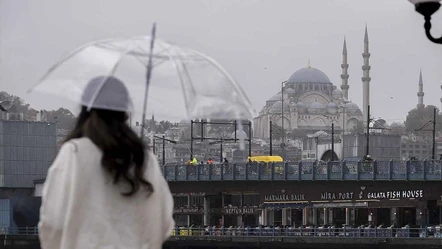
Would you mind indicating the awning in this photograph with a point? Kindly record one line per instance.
(281, 205)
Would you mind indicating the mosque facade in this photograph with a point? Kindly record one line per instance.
(309, 101)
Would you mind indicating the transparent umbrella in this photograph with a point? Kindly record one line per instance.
(184, 82)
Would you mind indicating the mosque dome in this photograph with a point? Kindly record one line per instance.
(309, 75)
(316, 105)
(320, 134)
(240, 134)
(337, 93)
(332, 105)
(276, 97)
(302, 107)
(278, 104)
(332, 108)
(379, 124)
(351, 106)
(289, 91)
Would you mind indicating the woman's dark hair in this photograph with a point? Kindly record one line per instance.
(123, 151)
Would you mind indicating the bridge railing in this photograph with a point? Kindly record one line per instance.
(280, 232)
(427, 170)
(19, 230)
(311, 232)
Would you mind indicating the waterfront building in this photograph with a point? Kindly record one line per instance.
(27, 149)
(308, 203)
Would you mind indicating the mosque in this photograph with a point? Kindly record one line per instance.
(308, 100)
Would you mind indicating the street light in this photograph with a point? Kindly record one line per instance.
(427, 8)
(283, 145)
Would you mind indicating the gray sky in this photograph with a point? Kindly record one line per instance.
(260, 42)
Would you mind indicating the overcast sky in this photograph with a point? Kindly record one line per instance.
(260, 42)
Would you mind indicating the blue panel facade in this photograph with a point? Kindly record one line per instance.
(24, 208)
(27, 149)
(5, 213)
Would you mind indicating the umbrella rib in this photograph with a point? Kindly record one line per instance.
(224, 72)
(64, 59)
(180, 77)
(112, 72)
(188, 77)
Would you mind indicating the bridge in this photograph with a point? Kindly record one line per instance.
(301, 238)
(427, 170)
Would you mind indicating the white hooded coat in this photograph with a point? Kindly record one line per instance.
(83, 209)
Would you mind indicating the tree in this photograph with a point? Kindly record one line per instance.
(397, 128)
(418, 117)
(163, 126)
(18, 105)
(64, 118)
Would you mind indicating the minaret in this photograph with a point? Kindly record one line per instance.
(420, 94)
(366, 78)
(344, 75)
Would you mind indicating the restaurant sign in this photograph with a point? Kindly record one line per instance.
(396, 194)
(283, 197)
(188, 210)
(362, 195)
(241, 211)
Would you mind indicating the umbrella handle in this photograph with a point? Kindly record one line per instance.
(148, 76)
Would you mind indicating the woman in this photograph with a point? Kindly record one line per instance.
(103, 189)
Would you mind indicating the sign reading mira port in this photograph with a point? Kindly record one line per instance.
(399, 194)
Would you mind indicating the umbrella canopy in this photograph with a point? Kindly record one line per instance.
(184, 83)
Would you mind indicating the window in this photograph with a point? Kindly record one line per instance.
(251, 200)
(196, 201)
(233, 200)
(180, 201)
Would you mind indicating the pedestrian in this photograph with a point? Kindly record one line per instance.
(105, 189)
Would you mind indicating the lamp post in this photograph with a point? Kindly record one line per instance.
(427, 8)
(333, 142)
(164, 139)
(282, 121)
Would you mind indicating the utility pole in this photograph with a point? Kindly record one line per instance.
(221, 151)
(434, 134)
(164, 150)
(368, 132)
(343, 133)
(433, 153)
(282, 121)
(333, 142)
(271, 138)
(191, 139)
(250, 138)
